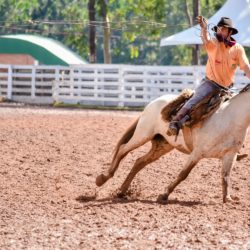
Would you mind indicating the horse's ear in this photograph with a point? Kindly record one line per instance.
(246, 88)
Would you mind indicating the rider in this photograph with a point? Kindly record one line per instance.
(224, 55)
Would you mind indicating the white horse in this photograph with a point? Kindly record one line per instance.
(221, 136)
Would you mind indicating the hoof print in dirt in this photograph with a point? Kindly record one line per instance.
(86, 198)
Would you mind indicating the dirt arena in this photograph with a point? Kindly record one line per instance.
(49, 161)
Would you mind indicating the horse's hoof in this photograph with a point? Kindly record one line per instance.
(227, 200)
(241, 157)
(100, 180)
(230, 198)
(162, 199)
(120, 195)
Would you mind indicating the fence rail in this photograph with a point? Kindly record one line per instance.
(107, 85)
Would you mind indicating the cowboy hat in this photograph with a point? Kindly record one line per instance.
(226, 22)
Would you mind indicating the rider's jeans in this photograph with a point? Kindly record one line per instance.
(207, 87)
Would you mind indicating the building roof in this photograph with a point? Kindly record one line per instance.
(238, 11)
(45, 50)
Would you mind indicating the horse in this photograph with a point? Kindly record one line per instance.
(220, 136)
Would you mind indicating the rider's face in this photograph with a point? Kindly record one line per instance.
(223, 31)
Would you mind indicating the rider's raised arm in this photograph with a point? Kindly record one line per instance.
(204, 33)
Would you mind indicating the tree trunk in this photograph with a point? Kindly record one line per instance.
(195, 52)
(92, 32)
(189, 18)
(106, 32)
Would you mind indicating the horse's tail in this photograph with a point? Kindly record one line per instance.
(125, 137)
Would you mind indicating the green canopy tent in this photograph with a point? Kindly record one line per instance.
(45, 50)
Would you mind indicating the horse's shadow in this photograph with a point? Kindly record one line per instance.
(94, 202)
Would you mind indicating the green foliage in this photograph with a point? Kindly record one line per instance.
(136, 26)
(247, 52)
(76, 27)
(182, 55)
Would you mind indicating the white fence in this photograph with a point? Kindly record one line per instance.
(30, 84)
(106, 85)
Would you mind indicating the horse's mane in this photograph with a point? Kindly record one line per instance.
(246, 88)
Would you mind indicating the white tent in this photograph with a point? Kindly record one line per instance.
(237, 10)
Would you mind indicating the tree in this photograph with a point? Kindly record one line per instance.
(106, 30)
(134, 27)
(92, 31)
(195, 49)
(180, 12)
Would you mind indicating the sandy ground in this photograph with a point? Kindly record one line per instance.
(49, 161)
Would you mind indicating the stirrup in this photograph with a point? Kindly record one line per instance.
(174, 128)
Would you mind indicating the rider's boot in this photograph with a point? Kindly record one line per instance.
(177, 122)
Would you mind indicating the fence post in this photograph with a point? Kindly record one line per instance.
(33, 82)
(55, 85)
(9, 87)
(197, 76)
(96, 86)
(122, 87)
(71, 82)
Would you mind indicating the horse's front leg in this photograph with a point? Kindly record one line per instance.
(227, 164)
(192, 161)
(159, 147)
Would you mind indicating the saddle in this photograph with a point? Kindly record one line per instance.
(199, 112)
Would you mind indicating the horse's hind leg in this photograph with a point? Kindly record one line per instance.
(192, 161)
(122, 151)
(159, 147)
(227, 164)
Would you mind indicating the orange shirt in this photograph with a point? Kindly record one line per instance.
(223, 61)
